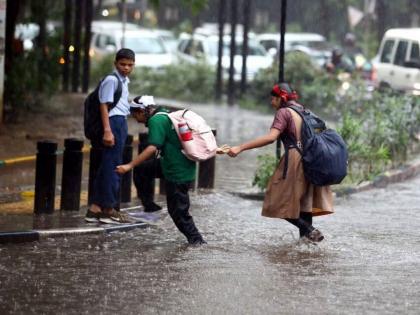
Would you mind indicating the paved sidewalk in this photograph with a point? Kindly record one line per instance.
(28, 227)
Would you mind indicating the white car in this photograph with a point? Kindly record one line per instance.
(312, 44)
(198, 47)
(168, 38)
(149, 48)
(397, 65)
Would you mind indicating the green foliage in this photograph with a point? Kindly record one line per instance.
(380, 133)
(266, 165)
(181, 81)
(101, 68)
(34, 77)
(317, 89)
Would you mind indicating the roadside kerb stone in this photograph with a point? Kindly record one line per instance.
(35, 235)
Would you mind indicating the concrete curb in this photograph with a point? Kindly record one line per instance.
(393, 176)
(36, 235)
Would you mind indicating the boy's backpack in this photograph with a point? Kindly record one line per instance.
(324, 153)
(202, 144)
(92, 117)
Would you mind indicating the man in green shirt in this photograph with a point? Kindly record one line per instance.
(178, 171)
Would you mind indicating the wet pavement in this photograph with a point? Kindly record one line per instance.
(368, 264)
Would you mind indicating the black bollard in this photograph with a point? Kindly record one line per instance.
(72, 174)
(206, 171)
(46, 162)
(95, 158)
(126, 179)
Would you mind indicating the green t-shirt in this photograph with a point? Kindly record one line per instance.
(175, 166)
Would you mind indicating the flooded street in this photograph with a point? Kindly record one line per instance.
(368, 263)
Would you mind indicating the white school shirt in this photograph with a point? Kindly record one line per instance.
(106, 94)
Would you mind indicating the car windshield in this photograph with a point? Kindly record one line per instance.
(253, 49)
(145, 45)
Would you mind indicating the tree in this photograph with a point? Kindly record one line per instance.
(233, 22)
(219, 71)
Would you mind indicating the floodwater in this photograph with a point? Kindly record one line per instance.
(369, 262)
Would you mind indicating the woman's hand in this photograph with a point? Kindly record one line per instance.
(234, 151)
(108, 139)
(121, 169)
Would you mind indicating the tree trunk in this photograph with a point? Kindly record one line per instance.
(233, 22)
(39, 11)
(98, 9)
(247, 13)
(325, 18)
(77, 27)
(12, 12)
(86, 48)
(219, 70)
(13, 8)
(381, 12)
(68, 9)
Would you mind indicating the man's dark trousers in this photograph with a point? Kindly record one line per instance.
(177, 197)
(106, 189)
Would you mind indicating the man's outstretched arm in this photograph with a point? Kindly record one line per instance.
(145, 155)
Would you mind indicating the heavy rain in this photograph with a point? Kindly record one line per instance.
(355, 64)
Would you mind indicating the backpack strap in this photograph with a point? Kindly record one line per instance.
(290, 142)
(117, 93)
(304, 115)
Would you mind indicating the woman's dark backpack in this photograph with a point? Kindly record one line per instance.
(324, 153)
(94, 129)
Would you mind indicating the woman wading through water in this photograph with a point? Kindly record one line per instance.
(289, 194)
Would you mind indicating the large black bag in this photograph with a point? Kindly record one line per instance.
(324, 153)
(94, 129)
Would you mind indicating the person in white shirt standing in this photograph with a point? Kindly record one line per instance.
(106, 186)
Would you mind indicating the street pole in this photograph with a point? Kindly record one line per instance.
(281, 58)
(282, 32)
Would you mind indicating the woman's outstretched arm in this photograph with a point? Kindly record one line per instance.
(256, 143)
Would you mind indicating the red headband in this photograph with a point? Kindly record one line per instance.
(283, 94)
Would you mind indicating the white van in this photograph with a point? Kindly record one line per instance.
(398, 60)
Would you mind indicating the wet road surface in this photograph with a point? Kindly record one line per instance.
(368, 264)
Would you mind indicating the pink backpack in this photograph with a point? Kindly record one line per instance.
(197, 139)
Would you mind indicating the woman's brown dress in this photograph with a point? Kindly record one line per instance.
(286, 198)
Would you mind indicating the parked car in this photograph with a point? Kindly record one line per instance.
(101, 26)
(398, 62)
(168, 38)
(149, 48)
(199, 47)
(312, 44)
